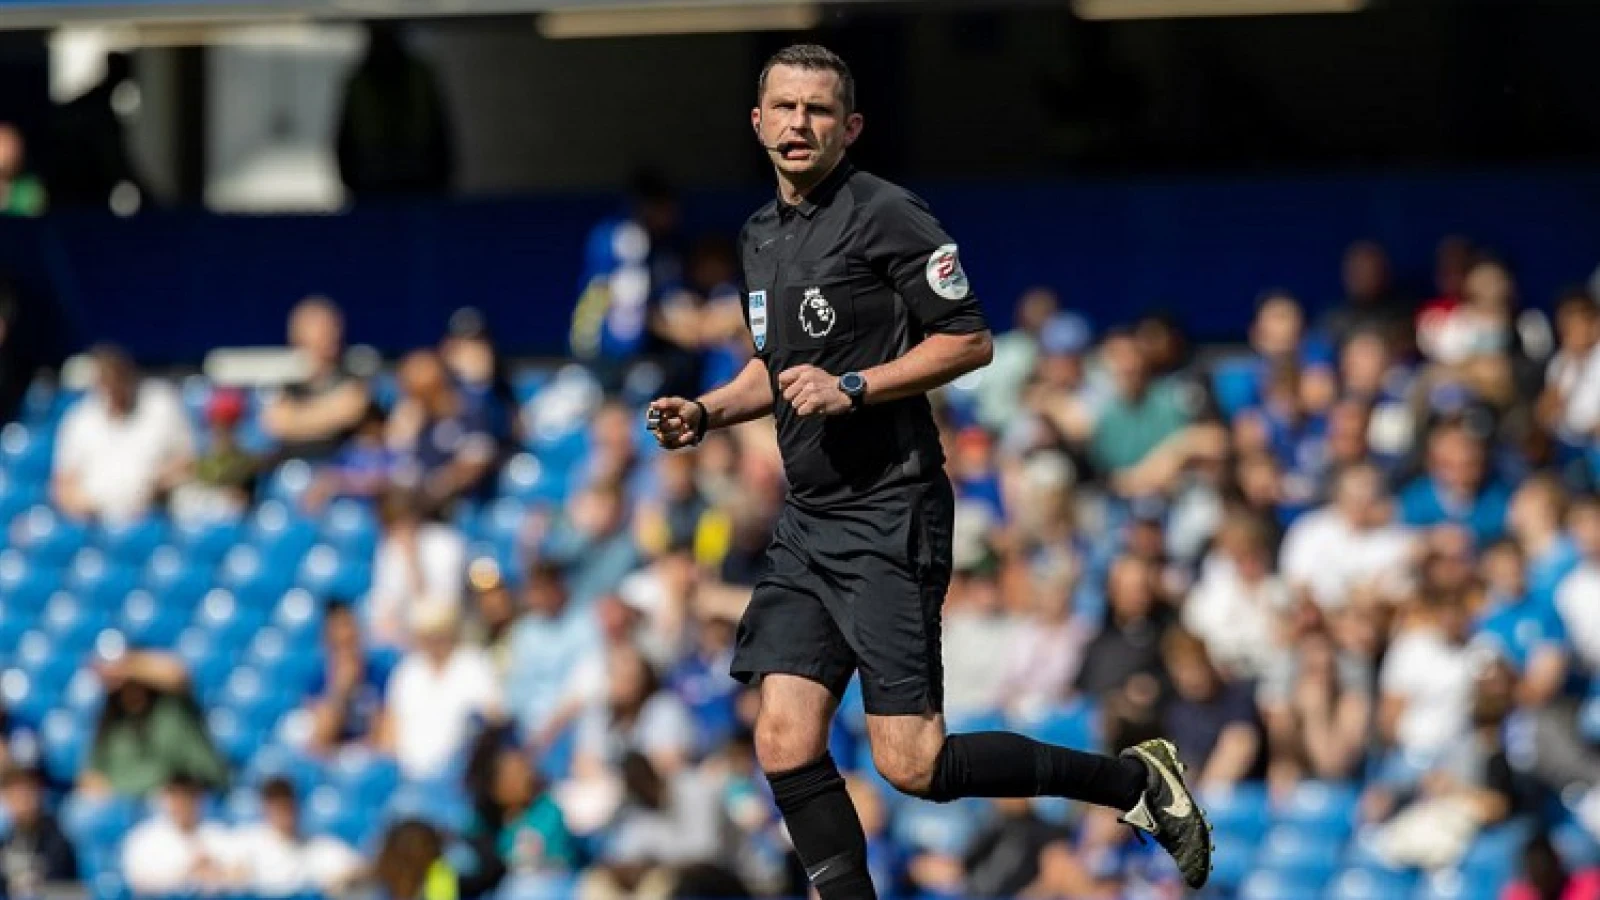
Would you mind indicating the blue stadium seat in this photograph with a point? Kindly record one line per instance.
(282, 535)
(46, 663)
(1279, 885)
(26, 583)
(15, 620)
(526, 384)
(228, 622)
(289, 482)
(441, 804)
(242, 806)
(174, 580)
(251, 577)
(1371, 884)
(1578, 849)
(149, 623)
(109, 885)
(1307, 854)
(1451, 884)
(1069, 725)
(71, 624)
(257, 701)
(947, 828)
(64, 744)
(299, 616)
(27, 700)
(1495, 852)
(286, 666)
(232, 735)
(98, 821)
(276, 760)
(46, 536)
(1327, 807)
(329, 812)
(99, 581)
(364, 776)
(523, 479)
(325, 574)
(350, 527)
(1233, 861)
(502, 520)
(17, 493)
(131, 543)
(26, 451)
(208, 664)
(206, 540)
(84, 695)
(44, 403)
(1241, 810)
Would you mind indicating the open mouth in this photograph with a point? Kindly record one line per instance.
(795, 150)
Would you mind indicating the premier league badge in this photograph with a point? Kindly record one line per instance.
(816, 314)
(758, 318)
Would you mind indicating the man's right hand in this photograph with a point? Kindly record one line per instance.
(674, 421)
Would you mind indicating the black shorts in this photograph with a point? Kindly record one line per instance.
(859, 585)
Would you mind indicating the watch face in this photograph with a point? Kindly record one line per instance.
(852, 383)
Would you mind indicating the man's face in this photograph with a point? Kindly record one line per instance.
(1364, 363)
(280, 816)
(10, 152)
(1277, 329)
(803, 123)
(1366, 272)
(183, 805)
(1126, 364)
(1457, 461)
(1577, 328)
(342, 635)
(317, 332)
(22, 800)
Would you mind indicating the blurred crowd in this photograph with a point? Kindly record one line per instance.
(1362, 550)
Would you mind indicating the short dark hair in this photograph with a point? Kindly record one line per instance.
(814, 57)
(278, 788)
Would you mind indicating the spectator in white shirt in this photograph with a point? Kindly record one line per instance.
(1349, 546)
(1570, 405)
(1237, 606)
(175, 852)
(121, 446)
(1425, 686)
(435, 694)
(273, 859)
(416, 558)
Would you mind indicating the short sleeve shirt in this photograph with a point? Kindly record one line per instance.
(852, 277)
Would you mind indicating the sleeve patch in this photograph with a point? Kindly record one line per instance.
(945, 275)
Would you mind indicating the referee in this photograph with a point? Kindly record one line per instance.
(858, 305)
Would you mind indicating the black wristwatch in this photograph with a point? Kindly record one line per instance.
(854, 386)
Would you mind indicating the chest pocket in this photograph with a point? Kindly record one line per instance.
(818, 304)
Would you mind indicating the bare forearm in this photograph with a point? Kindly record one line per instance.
(747, 397)
(937, 361)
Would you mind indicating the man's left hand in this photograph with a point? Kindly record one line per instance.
(812, 392)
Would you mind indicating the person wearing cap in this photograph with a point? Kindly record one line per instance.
(221, 480)
(177, 851)
(436, 693)
(34, 851)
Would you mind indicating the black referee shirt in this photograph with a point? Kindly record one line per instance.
(852, 277)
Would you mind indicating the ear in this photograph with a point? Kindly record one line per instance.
(755, 119)
(852, 128)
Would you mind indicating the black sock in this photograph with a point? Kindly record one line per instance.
(1000, 764)
(825, 829)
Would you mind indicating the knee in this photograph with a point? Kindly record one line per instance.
(910, 771)
(785, 741)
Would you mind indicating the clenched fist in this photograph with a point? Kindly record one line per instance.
(812, 392)
(675, 422)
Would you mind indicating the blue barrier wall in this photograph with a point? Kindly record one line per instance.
(171, 285)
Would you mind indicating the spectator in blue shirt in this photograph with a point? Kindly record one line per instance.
(629, 265)
(1456, 489)
(346, 696)
(479, 371)
(1538, 509)
(594, 544)
(1527, 633)
(447, 444)
(548, 644)
(1278, 338)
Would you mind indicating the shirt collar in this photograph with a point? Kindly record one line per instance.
(821, 194)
